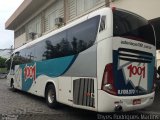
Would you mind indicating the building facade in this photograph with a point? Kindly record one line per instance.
(145, 8)
(35, 18)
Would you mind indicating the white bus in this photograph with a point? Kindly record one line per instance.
(103, 61)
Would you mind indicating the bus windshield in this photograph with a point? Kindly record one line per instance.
(132, 26)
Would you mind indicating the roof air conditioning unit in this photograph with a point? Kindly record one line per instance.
(59, 21)
(32, 35)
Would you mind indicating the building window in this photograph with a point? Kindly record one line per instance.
(51, 20)
(34, 26)
(77, 7)
(103, 23)
(51, 13)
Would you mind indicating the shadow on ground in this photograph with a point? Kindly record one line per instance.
(68, 113)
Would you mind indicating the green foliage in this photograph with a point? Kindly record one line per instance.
(2, 62)
(17, 60)
(3, 70)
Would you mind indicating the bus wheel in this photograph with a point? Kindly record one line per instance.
(51, 96)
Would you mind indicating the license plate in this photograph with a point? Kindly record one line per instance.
(136, 101)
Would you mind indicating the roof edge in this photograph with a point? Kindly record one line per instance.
(18, 11)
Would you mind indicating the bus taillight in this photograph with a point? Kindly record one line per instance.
(108, 81)
(113, 8)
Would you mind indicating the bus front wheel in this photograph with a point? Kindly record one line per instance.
(51, 96)
(12, 85)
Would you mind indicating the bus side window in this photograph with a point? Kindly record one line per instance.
(103, 23)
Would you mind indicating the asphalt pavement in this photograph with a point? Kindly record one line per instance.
(23, 106)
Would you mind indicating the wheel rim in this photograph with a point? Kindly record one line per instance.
(51, 96)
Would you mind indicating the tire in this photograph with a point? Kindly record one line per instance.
(50, 96)
(12, 85)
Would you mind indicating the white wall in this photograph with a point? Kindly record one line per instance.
(20, 40)
(149, 9)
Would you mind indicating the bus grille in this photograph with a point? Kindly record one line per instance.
(135, 55)
(83, 92)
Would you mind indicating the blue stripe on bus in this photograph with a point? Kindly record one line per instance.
(52, 68)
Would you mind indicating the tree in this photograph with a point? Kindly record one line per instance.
(2, 62)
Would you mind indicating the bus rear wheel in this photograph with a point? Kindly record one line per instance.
(50, 96)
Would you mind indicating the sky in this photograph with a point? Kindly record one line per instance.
(7, 8)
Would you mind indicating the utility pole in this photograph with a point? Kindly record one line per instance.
(10, 50)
